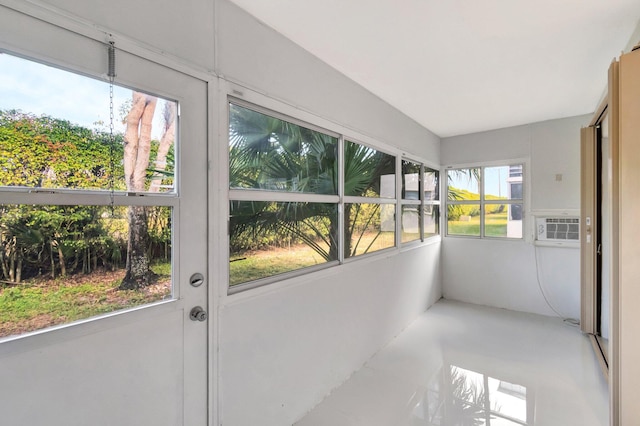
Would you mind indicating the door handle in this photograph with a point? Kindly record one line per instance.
(198, 314)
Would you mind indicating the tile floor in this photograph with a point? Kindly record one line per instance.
(462, 364)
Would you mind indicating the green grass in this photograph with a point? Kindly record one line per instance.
(253, 265)
(495, 225)
(39, 303)
(265, 263)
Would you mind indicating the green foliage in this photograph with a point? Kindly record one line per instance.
(52, 153)
(44, 237)
(46, 152)
(271, 154)
(455, 211)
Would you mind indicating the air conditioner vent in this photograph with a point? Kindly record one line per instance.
(558, 229)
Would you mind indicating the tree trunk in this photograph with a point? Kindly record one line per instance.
(19, 270)
(5, 266)
(53, 261)
(165, 144)
(12, 266)
(137, 140)
(138, 273)
(137, 146)
(61, 260)
(347, 230)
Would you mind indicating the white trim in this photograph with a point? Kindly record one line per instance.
(369, 200)
(71, 197)
(251, 194)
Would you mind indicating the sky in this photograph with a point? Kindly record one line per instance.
(495, 180)
(39, 89)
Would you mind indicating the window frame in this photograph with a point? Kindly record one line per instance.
(262, 103)
(421, 202)
(482, 202)
(352, 199)
(65, 196)
(261, 195)
(432, 203)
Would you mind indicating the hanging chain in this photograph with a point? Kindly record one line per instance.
(112, 74)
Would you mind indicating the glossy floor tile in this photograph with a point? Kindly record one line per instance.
(467, 365)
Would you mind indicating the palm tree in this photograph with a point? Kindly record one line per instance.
(272, 154)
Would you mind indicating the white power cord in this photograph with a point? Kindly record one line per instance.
(571, 321)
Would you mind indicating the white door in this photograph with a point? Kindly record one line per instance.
(139, 359)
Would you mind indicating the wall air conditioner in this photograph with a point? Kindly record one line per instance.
(558, 230)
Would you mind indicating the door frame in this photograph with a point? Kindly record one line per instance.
(591, 255)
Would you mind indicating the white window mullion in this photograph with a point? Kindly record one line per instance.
(482, 207)
(285, 197)
(341, 201)
(398, 215)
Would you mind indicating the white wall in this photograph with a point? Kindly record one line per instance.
(283, 348)
(503, 273)
(277, 350)
(183, 30)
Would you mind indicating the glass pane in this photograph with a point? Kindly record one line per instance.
(54, 132)
(503, 183)
(431, 184)
(503, 220)
(431, 219)
(270, 238)
(368, 172)
(410, 180)
(410, 223)
(368, 228)
(463, 219)
(463, 184)
(272, 154)
(65, 263)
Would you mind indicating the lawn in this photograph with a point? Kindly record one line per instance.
(495, 225)
(38, 303)
(253, 265)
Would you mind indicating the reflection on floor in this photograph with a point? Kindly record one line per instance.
(461, 364)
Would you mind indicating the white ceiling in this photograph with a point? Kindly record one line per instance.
(463, 66)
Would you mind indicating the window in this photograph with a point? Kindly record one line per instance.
(420, 202)
(431, 215)
(411, 202)
(303, 198)
(370, 199)
(485, 201)
(283, 180)
(75, 239)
